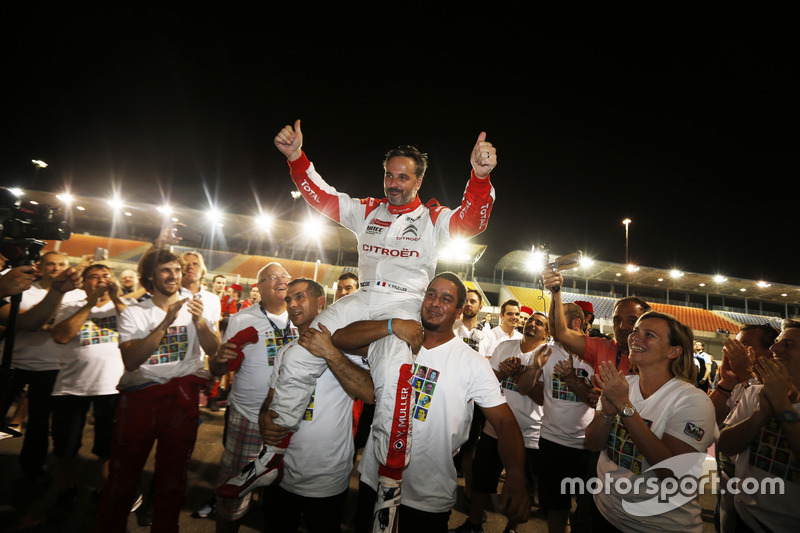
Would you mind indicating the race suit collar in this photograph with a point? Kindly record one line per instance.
(400, 209)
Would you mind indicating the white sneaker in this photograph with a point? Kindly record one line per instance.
(265, 470)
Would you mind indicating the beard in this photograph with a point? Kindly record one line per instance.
(427, 325)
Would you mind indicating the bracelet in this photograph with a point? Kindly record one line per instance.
(390, 327)
(723, 389)
(607, 419)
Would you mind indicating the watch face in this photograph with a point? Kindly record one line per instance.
(628, 410)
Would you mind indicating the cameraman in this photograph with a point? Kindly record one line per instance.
(36, 356)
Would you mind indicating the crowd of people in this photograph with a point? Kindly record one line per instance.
(403, 364)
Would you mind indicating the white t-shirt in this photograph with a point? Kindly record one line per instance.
(91, 364)
(472, 337)
(36, 350)
(769, 460)
(527, 412)
(706, 359)
(446, 381)
(678, 409)
(250, 383)
(178, 354)
(565, 416)
(494, 337)
(319, 461)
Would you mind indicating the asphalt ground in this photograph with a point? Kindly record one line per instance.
(25, 506)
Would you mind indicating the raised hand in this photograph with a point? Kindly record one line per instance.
(484, 157)
(613, 384)
(17, 280)
(290, 141)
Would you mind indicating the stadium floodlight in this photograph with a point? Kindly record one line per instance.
(631, 268)
(720, 278)
(586, 262)
(538, 259)
(264, 222)
(39, 163)
(764, 284)
(16, 191)
(675, 274)
(66, 197)
(165, 210)
(457, 251)
(115, 203)
(314, 226)
(214, 215)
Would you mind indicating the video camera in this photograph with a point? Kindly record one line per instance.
(561, 263)
(24, 226)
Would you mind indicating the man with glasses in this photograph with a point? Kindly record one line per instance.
(269, 329)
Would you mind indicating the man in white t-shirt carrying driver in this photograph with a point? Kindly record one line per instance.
(162, 344)
(448, 377)
(318, 464)
(91, 366)
(254, 364)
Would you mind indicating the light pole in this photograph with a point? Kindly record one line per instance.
(626, 222)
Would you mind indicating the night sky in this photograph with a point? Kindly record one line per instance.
(688, 128)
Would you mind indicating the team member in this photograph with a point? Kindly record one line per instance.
(595, 350)
(763, 432)
(398, 241)
(162, 344)
(36, 356)
(318, 464)
(564, 420)
(91, 366)
(510, 361)
(273, 330)
(506, 330)
(448, 378)
(653, 416)
(346, 284)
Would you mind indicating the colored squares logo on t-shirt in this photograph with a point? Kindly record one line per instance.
(173, 346)
(423, 382)
(308, 416)
(559, 389)
(471, 343)
(99, 331)
(509, 384)
(771, 453)
(621, 449)
(276, 339)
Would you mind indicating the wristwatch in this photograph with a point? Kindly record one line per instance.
(789, 415)
(627, 410)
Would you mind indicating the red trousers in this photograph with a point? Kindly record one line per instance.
(165, 413)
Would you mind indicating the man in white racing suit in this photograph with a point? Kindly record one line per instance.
(399, 240)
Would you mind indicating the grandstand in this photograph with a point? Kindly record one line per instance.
(713, 310)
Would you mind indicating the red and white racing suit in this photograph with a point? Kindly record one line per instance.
(398, 249)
